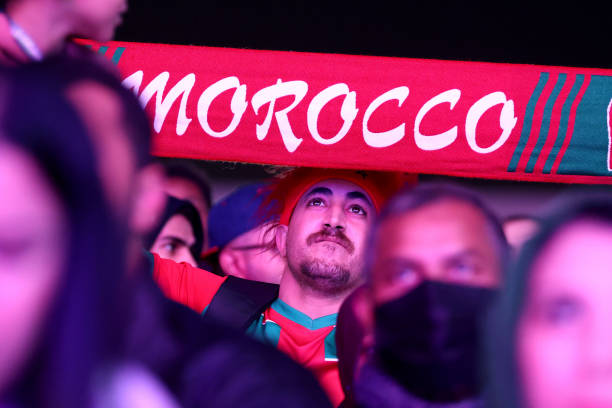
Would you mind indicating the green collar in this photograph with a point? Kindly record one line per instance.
(300, 318)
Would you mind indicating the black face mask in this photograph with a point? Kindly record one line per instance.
(428, 340)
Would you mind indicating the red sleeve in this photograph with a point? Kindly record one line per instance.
(186, 284)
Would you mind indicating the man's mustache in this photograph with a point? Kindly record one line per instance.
(331, 235)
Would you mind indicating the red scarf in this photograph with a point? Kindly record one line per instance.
(501, 121)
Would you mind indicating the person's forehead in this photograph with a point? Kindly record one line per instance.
(337, 187)
(453, 223)
(179, 226)
(578, 256)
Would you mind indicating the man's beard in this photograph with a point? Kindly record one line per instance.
(323, 275)
(325, 278)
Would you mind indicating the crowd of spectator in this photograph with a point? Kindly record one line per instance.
(123, 285)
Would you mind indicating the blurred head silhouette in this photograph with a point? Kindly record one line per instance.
(550, 335)
(60, 250)
(120, 134)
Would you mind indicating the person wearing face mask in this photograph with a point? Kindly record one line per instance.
(435, 261)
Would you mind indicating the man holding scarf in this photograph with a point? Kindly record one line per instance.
(324, 217)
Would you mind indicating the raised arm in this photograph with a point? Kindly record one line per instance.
(186, 284)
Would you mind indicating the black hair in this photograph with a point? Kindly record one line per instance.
(62, 72)
(77, 333)
(184, 169)
(174, 206)
(503, 390)
(413, 198)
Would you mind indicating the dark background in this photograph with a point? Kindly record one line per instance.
(570, 34)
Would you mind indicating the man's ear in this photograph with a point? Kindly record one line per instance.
(281, 240)
(232, 263)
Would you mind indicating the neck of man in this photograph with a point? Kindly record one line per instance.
(44, 22)
(307, 300)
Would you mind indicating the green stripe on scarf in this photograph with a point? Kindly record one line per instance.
(117, 55)
(527, 123)
(587, 152)
(563, 124)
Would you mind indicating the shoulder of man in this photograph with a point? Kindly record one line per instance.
(239, 302)
(233, 301)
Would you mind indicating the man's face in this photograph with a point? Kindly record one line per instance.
(326, 236)
(448, 241)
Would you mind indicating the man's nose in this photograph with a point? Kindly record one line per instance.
(335, 218)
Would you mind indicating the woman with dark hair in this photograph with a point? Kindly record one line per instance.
(61, 253)
(550, 335)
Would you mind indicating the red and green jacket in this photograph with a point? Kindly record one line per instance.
(310, 342)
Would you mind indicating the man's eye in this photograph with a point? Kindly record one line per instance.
(463, 269)
(406, 277)
(316, 202)
(170, 247)
(357, 209)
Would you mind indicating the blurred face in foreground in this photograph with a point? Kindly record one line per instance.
(447, 241)
(96, 19)
(32, 247)
(100, 110)
(324, 242)
(136, 194)
(564, 343)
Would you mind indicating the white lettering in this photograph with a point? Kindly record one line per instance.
(442, 140)
(162, 105)
(238, 104)
(133, 82)
(269, 95)
(389, 137)
(507, 120)
(348, 111)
